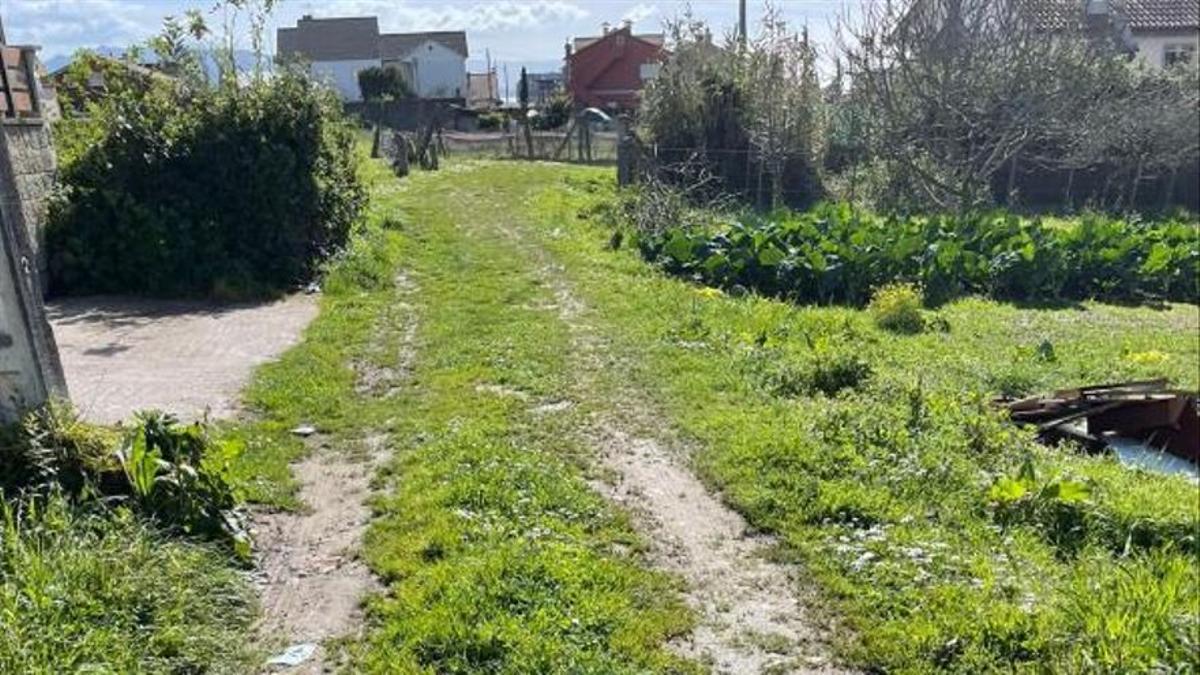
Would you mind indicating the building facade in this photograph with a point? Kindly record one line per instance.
(434, 63)
(610, 70)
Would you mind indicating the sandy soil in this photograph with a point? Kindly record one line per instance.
(309, 573)
(121, 354)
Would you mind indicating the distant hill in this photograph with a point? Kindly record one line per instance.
(244, 58)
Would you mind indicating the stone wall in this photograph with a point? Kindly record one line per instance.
(31, 166)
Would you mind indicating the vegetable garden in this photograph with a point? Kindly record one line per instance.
(837, 254)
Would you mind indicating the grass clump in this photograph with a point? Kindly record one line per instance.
(87, 590)
(897, 308)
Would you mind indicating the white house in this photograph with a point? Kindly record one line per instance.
(1159, 33)
(1165, 32)
(434, 64)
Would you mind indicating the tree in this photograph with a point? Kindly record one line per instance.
(956, 89)
(378, 84)
(523, 97)
(785, 107)
(523, 89)
(732, 120)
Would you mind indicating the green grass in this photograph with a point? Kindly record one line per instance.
(104, 593)
(313, 383)
(881, 490)
(497, 555)
(873, 456)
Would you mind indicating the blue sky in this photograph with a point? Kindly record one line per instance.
(516, 32)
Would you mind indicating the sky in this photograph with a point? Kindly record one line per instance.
(516, 33)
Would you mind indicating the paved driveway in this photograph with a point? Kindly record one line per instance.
(124, 354)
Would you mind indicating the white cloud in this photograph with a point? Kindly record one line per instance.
(639, 13)
(479, 16)
(56, 23)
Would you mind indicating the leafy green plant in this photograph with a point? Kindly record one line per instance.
(175, 474)
(179, 476)
(897, 308)
(834, 253)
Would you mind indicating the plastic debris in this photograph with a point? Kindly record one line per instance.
(293, 655)
(304, 430)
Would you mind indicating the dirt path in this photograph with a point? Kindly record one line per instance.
(125, 354)
(311, 577)
(752, 617)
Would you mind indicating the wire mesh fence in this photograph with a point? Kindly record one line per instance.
(569, 145)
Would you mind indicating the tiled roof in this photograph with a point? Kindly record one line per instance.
(1162, 14)
(398, 45)
(657, 39)
(1143, 15)
(331, 39)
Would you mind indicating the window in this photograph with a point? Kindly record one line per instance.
(1178, 53)
(649, 71)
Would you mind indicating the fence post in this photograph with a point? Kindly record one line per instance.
(625, 153)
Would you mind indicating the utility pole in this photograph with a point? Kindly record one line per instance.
(742, 23)
(506, 83)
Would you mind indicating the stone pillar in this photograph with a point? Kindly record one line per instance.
(30, 371)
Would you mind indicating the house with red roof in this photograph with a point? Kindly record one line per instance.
(608, 71)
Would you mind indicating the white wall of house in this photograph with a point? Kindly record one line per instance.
(1152, 46)
(342, 75)
(440, 72)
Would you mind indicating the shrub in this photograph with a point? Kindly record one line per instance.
(175, 190)
(555, 113)
(741, 121)
(897, 308)
(491, 121)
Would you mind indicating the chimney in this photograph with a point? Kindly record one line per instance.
(306, 17)
(627, 24)
(605, 27)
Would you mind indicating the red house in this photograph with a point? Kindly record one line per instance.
(609, 71)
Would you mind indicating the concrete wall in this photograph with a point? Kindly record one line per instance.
(342, 75)
(29, 367)
(1152, 45)
(440, 72)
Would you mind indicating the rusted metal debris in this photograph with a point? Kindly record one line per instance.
(1149, 411)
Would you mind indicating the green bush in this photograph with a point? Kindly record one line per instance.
(834, 253)
(169, 189)
(897, 308)
(555, 114)
(491, 121)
